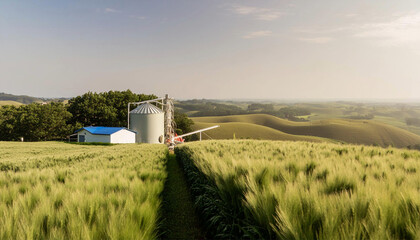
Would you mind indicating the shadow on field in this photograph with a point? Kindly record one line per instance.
(179, 218)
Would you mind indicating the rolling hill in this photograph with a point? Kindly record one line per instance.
(250, 130)
(14, 103)
(19, 98)
(352, 131)
(11, 99)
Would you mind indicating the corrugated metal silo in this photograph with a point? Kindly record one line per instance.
(148, 121)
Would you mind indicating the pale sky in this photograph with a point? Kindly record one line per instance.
(212, 48)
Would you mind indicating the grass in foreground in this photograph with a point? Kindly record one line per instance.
(301, 190)
(65, 191)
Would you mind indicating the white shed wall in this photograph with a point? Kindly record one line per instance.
(95, 138)
(123, 136)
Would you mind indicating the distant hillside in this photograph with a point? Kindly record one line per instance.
(351, 131)
(206, 108)
(19, 98)
(24, 99)
(248, 130)
(14, 103)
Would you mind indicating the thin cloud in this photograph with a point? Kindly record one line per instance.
(245, 10)
(269, 16)
(111, 10)
(138, 17)
(351, 15)
(325, 30)
(265, 14)
(317, 40)
(400, 31)
(258, 34)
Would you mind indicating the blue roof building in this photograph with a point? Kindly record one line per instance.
(106, 134)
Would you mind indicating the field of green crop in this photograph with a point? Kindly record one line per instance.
(302, 190)
(67, 191)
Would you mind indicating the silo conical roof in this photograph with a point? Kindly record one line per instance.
(146, 108)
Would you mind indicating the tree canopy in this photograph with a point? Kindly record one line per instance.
(34, 122)
(103, 109)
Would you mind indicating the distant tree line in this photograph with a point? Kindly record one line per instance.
(413, 121)
(200, 108)
(211, 109)
(55, 121)
(293, 113)
(367, 116)
(260, 107)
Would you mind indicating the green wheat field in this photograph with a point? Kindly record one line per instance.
(67, 191)
(302, 190)
(240, 189)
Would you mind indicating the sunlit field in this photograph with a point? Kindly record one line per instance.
(302, 190)
(66, 191)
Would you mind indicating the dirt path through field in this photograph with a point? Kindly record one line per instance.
(180, 219)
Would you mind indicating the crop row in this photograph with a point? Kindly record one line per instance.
(301, 190)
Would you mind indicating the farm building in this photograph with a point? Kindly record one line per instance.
(106, 135)
(147, 121)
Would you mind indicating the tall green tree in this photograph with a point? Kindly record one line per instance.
(8, 123)
(34, 122)
(103, 109)
(184, 125)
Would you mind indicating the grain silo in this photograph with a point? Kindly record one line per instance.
(148, 121)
